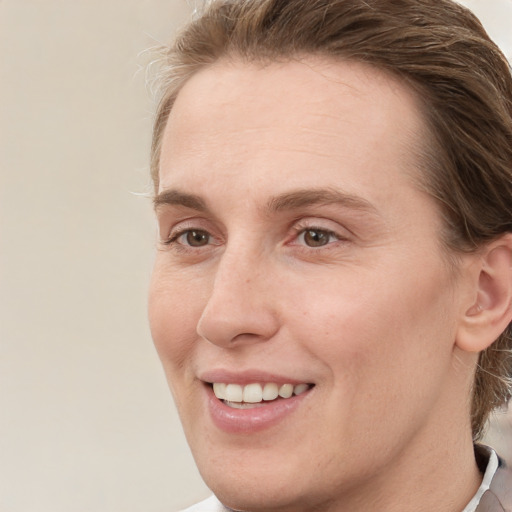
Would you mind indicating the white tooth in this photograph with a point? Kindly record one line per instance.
(233, 393)
(299, 389)
(286, 391)
(219, 388)
(253, 393)
(270, 391)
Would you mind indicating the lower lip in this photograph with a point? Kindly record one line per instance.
(251, 420)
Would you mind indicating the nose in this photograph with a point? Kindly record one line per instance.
(239, 309)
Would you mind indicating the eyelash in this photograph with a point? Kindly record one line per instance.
(173, 238)
(303, 231)
(300, 231)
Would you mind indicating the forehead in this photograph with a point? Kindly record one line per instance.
(236, 115)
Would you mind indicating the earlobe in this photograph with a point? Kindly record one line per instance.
(491, 311)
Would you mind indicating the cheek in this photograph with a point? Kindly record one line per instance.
(174, 310)
(383, 345)
(379, 328)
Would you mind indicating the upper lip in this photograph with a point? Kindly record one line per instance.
(247, 377)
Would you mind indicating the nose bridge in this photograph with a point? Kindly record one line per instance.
(239, 306)
(238, 267)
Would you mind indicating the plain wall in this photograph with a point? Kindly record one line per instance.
(86, 420)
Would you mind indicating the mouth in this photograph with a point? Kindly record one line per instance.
(256, 394)
(250, 401)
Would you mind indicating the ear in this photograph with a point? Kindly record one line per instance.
(490, 310)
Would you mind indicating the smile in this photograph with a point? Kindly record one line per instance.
(252, 395)
(250, 401)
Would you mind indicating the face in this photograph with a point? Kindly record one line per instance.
(297, 257)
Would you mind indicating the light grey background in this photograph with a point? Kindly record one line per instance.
(86, 421)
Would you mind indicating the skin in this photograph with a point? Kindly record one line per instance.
(371, 317)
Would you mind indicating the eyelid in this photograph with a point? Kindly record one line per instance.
(299, 226)
(328, 232)
(183, 226)
(180, 250)
(175, 236)
(337, 234)
(322, 224)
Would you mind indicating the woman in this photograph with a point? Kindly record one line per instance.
(332, 294)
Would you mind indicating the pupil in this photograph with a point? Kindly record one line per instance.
(197, 238)
(315, 238)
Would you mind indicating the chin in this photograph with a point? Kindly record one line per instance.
(263, 479)
(260, 493)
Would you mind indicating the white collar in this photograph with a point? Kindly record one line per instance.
(212, 504)
(492, 466)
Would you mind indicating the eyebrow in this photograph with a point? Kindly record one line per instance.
(174, 197)
(304, 198)
(288, 201)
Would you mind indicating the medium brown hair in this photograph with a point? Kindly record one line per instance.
(461, 78)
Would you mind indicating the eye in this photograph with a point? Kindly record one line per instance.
(313, 237)
(190, 238)
(196, 237)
